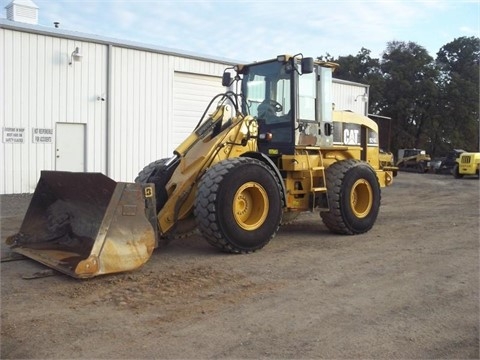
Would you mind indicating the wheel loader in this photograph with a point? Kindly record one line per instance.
(387, 161)
(264, 151)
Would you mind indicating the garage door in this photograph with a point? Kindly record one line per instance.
(192, 94)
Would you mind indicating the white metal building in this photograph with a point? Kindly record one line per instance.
(78, 102)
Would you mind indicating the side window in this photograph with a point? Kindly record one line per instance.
(256, 94)
(307, 96)
(283, 96)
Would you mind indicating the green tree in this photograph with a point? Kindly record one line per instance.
(459, 106)
(410, 93)
(434, 105)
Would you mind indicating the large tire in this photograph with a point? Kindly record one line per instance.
(456, 172)
(238, 207)
(156, 173)
(354, 197)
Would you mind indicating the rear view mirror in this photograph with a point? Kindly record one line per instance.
(226, 79)
(307, 65)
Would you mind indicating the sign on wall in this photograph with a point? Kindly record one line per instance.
(42, 136)
(13, 135)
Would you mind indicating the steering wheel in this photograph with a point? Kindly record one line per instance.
(275, 105)
(269, 107)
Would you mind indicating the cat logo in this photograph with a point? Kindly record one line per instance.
(351, 137)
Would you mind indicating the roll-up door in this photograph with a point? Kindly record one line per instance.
(192, 94)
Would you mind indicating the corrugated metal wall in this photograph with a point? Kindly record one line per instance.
(350, 96)
(142, 117)
(125, 129)
(39, 89)
(140, 108)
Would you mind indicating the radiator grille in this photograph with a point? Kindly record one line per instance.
(466, 159)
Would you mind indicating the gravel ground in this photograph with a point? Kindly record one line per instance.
(407, 289)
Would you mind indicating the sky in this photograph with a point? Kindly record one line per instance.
(253, 30)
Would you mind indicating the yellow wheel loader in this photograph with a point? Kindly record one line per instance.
(258, 157)
(387, 162)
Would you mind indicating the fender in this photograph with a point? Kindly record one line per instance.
(264, 158)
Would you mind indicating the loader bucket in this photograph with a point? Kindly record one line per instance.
(86, 224)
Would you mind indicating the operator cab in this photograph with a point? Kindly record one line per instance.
(287, 95)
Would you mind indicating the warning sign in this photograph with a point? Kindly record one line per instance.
(13, 135)
(42, 136)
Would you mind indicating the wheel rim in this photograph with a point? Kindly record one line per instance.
(250, 207)
(361, 198)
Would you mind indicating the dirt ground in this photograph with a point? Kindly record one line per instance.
(407, 289)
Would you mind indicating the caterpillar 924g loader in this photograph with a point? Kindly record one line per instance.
(260, 155)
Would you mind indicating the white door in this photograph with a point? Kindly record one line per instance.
(70, 147)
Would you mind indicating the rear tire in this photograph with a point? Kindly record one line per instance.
(238, 207)
(354, 197)
(158, 174)
(144, 176)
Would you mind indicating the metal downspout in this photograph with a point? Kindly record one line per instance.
(109, 111)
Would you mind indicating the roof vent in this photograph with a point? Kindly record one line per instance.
(23, 11)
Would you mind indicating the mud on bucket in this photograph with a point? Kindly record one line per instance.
(86, 224)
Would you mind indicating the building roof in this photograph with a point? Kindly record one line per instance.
(68, 34)
(27, 3)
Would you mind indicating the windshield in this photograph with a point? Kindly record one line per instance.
(266, 88)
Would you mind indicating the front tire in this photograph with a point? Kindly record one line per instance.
(354, 197)
(456, 172)
(238, 207)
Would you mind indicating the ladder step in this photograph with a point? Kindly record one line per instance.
(319, 189)
(297, 192)
(315, 168)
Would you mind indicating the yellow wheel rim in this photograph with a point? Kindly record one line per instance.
(250, 207)
(361, 198)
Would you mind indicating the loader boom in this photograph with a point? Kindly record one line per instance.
(203, 148)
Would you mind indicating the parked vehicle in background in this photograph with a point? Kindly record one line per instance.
(467, 164)
(435, 164)
(413, 160)
(448, 162)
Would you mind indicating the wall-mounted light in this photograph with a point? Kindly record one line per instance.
(363, 97)
(75, 56)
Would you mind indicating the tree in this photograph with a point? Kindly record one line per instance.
(410, 94)
(459, 108)
(434, 105)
